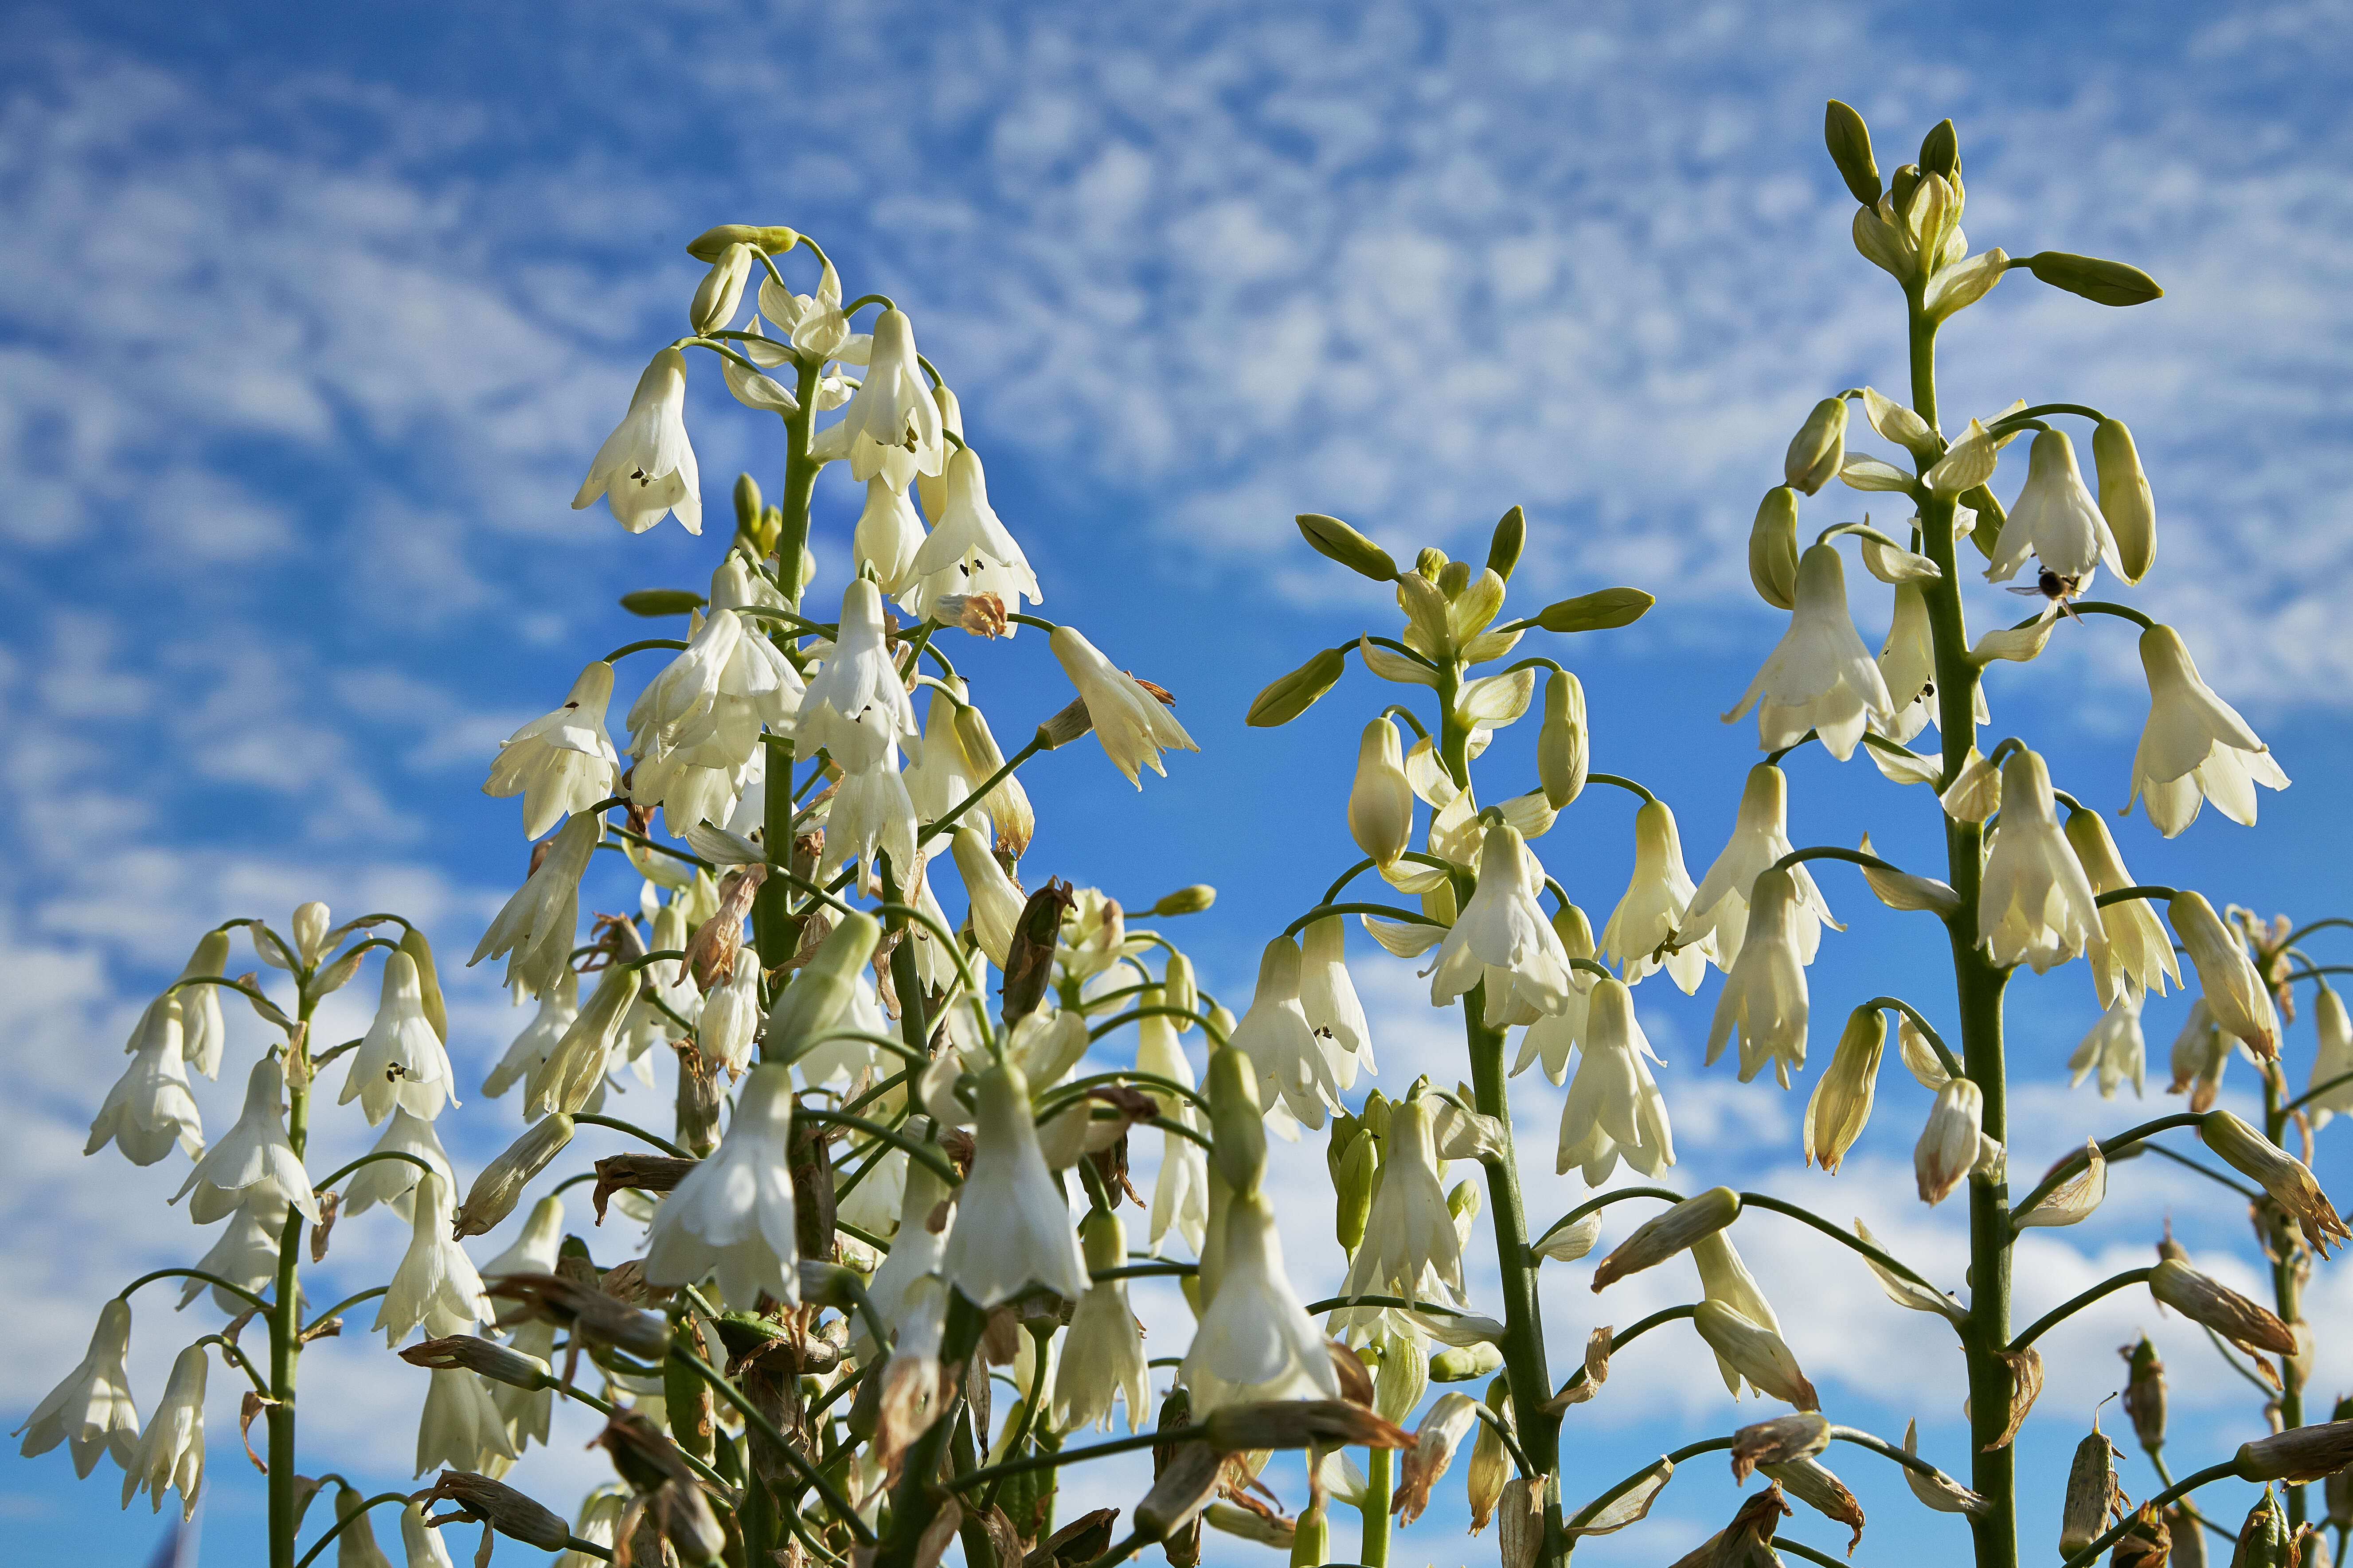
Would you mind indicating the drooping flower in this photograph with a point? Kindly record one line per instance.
(2134, 952)
(1950, 1145)
(170, 1455)
(2234, 993)
(461, 1426)
(2195, 747)
(92, 1411)
(537, 925)
(401, 1061)
(731, 1216)
(534, 1248)
(1555, 1034)
(149, 1109)
(2055, 519)
(1328, 998)
(1657, 898)
(2200, 1053)
(917, 1247)
(1764, 995)
(2332, 1057)
(891, 426)
(969, 550)
(574, 1068)
(2035, 906)
(730, 1017)
(561, 761)
(202, 1035)
(1725, 1279)
(858, 675)
(1013, 1224)
(393, 1183)
(1280, 1042)
(247, 1252)
(501, 1184)
(1756, 1353)
(996, 904)
(1819, 677)
(558, 1004)
(1501, 936)
(1409, 1231)
(254, 1160)
(871, 813)
(646, 468)
(1718, 911)
(888, 536)
(1841, 1100)
(1614, 1108)
(2114, 1047)
(1256, 1341)
(1133, 725)
(435, 1285)
(1380, 800)
(1102, 1355)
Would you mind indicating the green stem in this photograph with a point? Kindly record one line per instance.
(2068, 1309)
(1059, 1456)
(1800, 1550)
(1387, 911)
(337, 1528)
(237, 1290)
(808, 1472)
(1928, 1032)
(2108, 1146)
(2287, 1290)
(595, 1119)
(1380, 1474)
(284, 1317)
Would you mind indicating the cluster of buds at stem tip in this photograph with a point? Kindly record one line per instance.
(2286, 1178)
(1671, 1233)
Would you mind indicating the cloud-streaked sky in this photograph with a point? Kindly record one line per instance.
(309, 319)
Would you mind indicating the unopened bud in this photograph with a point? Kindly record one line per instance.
(1773, 548)
(2125, 498)
(815, 1003)
(1291, 694)
(1403, 1376)
(1842, 1100)
(1065, 726)
(2102, 282)
(1331, 537)
(2209, 1302)
(1600, 611)
(495, 1361)
(2144, 1393)
(1248, 1525)
(1561, 751)
(748, 504)
(1297, 1423)
(1187, 901)
(721, 290)
(652, 602)
(1453, 577)
(501, 1185)
(773, 239)
(1940, 152)
(1671, 1233)
(1353, 1188)
(1380, 798)
(2092, 1494)
(1848, 140)
(2264, 1539)
(1462, 1363)
(2286, 1178)
(1819, 448)
(2298, 1454)
(1237, 1120)
(1504, 547)
(503, 1508)
(1177, 989)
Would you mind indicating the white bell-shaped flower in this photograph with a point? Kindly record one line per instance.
(858, 674)
(435, 1285)
(2235, 993)
(940, 776)
(536, 1245)
(1760, 835)
(1764, 995)
(995, 902)
(1013, 1224)
(1409, 1235)
(1952, 1143)
(815, 322)
(646, 467)
(969, 550)
(171, 1452)
(1328, 998)
(561, 761)
(2055, 519)
(247, 1252)
(393, 1183)
(92, 1411)
(1180, 1193)
(1134, 726)
(2332, 1057)
(730, 1017)
(733, 1215)
(1380, 799)
(1280, 1041)
(1501, 937)
(1614, 1108)
(1653, 908)
(149, 1109)
(757, 388)
(1553, 1035)
(1256, 1341)
(558, 1004)
(254, 1160)
(2035, 906)
(2114, 1048)
(461, 1428)
(2195, 747)
(888, 536)
(916, 1248)
(1819, 677)
(401, 1061)
(891, 426)
(203, 1034)
(2134, 953)
(537, 925)
(871, 812)
(1102, 1355)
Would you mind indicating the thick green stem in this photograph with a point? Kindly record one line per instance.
(2288, 1290)
(1526, 1367)
(1373, 1546)
(772, 929)
(285, 1317)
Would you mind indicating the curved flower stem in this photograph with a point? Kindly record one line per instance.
(2020, 420)
(236, 1358)
(1361, 867)
(344, 1306)
(1396, 647)
(1861, 531)
(928, 1153)
(2227, 1470)
(2317, 1090)
(640, 840)
(1623, 783)
(1135, 1013)
(2066, 1309)
(1177, 1128)
(1503, 1430)
(1399, 1303)
(2209, 1171)
(644, 644)
(237, 1290)
(1387, 911)
(1884, 1449)
(1843, 1237)
(1616, 1342)
(598, 1119)
(2153, 893)
(1133, 1271)
(1593, 1204)
(358, 1514)
(1928, 1032)
(419, 1161)
(1074, 1090)
(2302, 932)
(808, 1472)
(946, 819)
(1800, 1549)
(2222, 1349)
(1833, 852)
(2102, 607)
(1773, 758)
(2080, 1158)
(1675, 1457)
(1060, 1457)
(1413, 723)
(663, 955)
(895, 1046)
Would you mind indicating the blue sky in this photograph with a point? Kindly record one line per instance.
(311, 318)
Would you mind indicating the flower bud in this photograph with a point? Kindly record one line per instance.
(1353, 1185)
(1948, 1147)
(501, 1185)
(1848, 140)
(1403, 1375)
(1672, 1232)
(1186, 900)
(1940, 152)
(721, 290)
(1756, 1353)
(420, 953)
(2286, 1178)
(1818, 450)
(2238, 998)
(2092, 1494)
(2207, 1301)
(1329, 536)
(1561, 759)
(2102, 282)
(2125, 498)
(505, 1509)
(821, 994)
(773, 239)
(1178, 990)
(1842, 1100)
(1773, 548)
(495, 1361)
(2298, 1454)
(1503, 547)
(1249, 1525)
(1291, 694)
(1297, 1423)
(1777, 1442)
(1483, 1480)
(1463, 1362)
(1600, 611)
(1236, 1121)
(2144, 1393)
(652, 602)
(1381, 801)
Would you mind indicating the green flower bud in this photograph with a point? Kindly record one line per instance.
(819, 996)
(1353, 1179)
(2264, 1539)
(1236, 1121)
(1848, 140)
(1465, 1363)
(1403, 1378)
(2125, 498)
(1510, 538)
(1103, 1239)
(1186, 900)
(1671, 1233)
(721, 293)
(1429, 562)
(420, 951)
(2102, 282)
(663, 602)
(747, 504)
(1902, 186)
(1940, 152)
(1841, 1100)
(1329, 536)
(1293, 694)
(1819, 448)
(1773, 548)
(1601, 611)
(1177, 989)
(1463, 1201)
(775, 239)
(1561, 759)
(1453, 577)
(2144, 1395)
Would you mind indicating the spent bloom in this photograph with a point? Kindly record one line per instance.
(733, 1214)
(891, 426)
(2135, 954)
(2195, 747)
(646, 468)
(1819, 677)
(1951, 1144)
(969, 551)
(2114, 1047)
(2235, 995)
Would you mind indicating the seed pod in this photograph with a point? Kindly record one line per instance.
(1773, 548)
(495, 1361)
(1848, 140)
(2144, 1395)
(505, 1509)
(2263, 1539)
(1331, 537)
(1818, 450)
(2217, 1307)
(2092, 1494)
